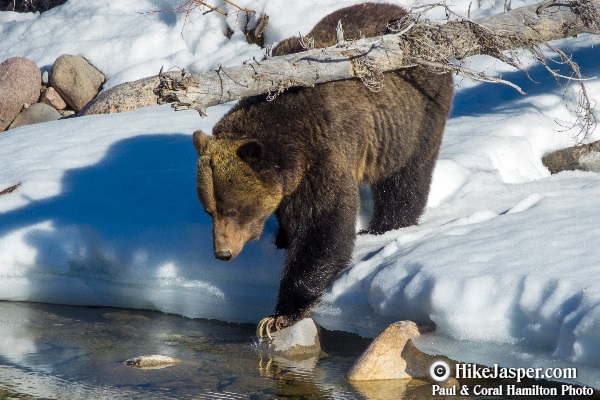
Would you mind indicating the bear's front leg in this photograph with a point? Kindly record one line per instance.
(319, 249)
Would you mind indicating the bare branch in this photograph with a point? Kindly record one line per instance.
(240, 8)
(307, 42)
(216, 9)
(461, 70)
(585, 120)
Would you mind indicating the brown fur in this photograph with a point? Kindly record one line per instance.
(304, 155)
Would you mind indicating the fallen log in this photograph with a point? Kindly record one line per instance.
(430, 45)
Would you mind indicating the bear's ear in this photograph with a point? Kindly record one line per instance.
(251, 152)
(200, 141)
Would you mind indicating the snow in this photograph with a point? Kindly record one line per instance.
(504, 261)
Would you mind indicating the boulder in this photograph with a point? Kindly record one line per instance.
(299, 340)
(35, 114)
(76, 80)
(20, 84)
(51, 97)
(392, 355)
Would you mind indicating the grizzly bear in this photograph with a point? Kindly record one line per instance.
(304, 155)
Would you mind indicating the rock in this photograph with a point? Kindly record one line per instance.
(20, 84)
(45, 78)
(51, 97)
(124, 97)
(301, 339)
(155, 361)
(392, 355)
(585, 157)
(67, 113)
(37, 113)
(76, 80)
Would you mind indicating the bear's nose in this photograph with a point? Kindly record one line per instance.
(224, 255)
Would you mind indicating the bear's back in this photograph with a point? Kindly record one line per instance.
(361, 20)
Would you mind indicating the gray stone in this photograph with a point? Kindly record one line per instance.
(67, 113)
(20, 84)
(154, 361)
(301, 339)
(76, 80)
(51, 97)
(584, 157)
(35, 114)
(392, 355)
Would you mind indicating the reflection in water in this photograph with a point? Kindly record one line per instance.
(291, 377)
(394, 389)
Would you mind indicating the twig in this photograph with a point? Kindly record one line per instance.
(10, 189)
(210, 7)
(239, 8)
(307, 42)
(584, 115)
(403, 31)
(480, 76)
(568, 60)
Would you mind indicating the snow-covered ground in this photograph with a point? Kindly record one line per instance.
(505, 260)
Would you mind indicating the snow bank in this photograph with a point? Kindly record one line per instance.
(504, 261)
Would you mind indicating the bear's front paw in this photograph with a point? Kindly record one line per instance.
(273, 322)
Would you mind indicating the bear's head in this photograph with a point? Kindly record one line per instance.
(238, 188)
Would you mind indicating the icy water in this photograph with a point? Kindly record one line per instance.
(64, 352)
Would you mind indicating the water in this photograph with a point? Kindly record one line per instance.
(66, 352)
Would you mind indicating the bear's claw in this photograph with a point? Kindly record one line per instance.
(266, 325)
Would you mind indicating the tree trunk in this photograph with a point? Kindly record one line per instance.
(417, 44)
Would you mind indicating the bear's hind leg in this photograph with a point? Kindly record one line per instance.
(399, 200)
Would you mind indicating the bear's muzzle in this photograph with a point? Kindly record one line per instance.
(224, 255)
